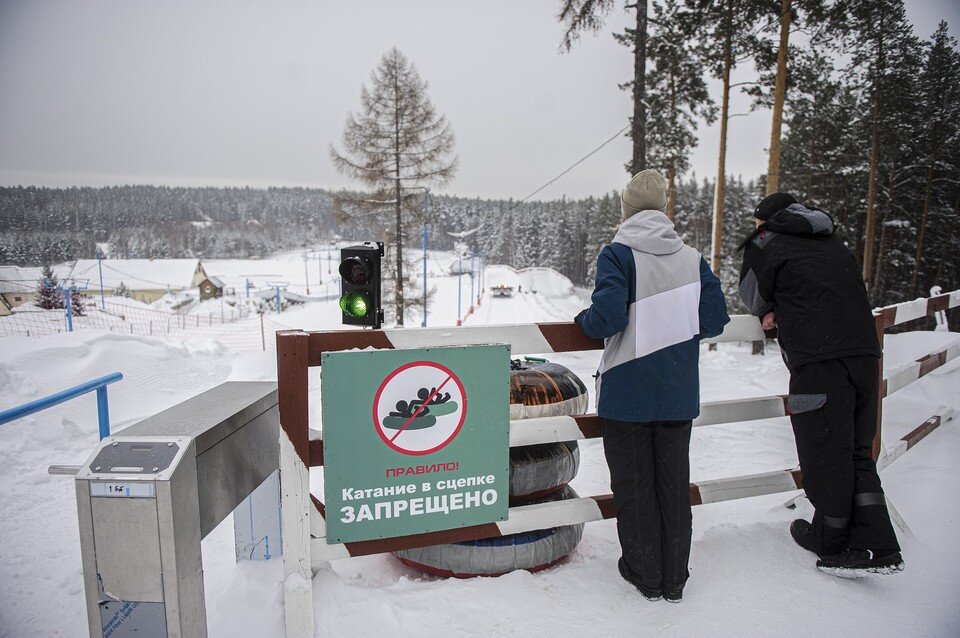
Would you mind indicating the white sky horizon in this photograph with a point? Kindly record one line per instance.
(105, 92)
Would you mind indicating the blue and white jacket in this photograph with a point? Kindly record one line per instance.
(654, 300)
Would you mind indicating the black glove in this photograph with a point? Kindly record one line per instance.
(579, 316)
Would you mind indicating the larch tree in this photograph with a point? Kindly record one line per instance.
(397, 145)
(580, 16)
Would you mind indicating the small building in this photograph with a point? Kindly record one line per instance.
(17, 287)
(210, 288)
(145, 280)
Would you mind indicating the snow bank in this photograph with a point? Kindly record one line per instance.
(748, 578)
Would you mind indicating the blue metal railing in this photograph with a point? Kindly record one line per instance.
(100, 385)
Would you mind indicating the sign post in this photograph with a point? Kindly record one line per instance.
(415, 440)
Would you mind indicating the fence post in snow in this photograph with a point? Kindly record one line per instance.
(940, 316)
(67, 305)
(263, 336)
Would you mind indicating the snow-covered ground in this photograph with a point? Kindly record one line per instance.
(747, 576)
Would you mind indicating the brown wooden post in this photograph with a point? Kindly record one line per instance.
(292, 350)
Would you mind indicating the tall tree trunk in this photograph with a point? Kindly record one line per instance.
(638, 126)
(671, 190)
(927, 192)
(879, 268)
(779, 95)
(671, 168)
(721, 168)
(870, 229)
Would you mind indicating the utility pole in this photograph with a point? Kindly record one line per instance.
(426, 214)
(459, 280)
(306, 273)
(103, 305)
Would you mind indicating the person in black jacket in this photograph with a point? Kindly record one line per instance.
(798, 277)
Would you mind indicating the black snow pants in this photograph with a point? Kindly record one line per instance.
(833, 445)
(650, 478)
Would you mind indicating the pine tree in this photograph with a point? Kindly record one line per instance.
(581, 16)
(775, 77)
(940, 101)
(876, 31)
(49, 296)
(397, 145)
(603, 226)
(823, 160)
(727, 33)
(677, 95)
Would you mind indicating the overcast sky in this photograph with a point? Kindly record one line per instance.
(253, 93)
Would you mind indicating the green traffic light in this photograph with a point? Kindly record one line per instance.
(354, 304)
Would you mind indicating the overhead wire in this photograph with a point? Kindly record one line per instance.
(574, 165)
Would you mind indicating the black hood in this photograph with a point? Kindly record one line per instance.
(796, 219)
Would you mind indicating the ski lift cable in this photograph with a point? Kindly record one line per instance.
(572, 166)
(134, 277)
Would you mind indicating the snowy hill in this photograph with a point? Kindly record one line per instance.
(747, 576)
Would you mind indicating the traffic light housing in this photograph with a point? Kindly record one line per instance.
(360, 291)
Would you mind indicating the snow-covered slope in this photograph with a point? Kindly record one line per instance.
(748, 578)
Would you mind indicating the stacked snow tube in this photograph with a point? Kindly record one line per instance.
(539, 389)
(496, 556)
(538, 474)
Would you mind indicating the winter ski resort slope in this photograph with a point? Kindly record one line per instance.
(748, 578)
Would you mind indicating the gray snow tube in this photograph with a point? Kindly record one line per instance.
(532, 551)
(538, 470)
(543, 389)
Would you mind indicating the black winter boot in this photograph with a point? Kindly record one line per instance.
(630, 576)
(802, 533)
(855, 563)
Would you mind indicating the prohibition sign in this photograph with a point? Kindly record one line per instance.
(419, 408)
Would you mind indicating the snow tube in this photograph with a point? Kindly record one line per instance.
(543, 389)
(538, 470)
(532, 551)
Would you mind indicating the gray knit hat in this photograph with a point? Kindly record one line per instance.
(646, 191)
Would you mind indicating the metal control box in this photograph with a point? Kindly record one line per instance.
(147, 497)
(138, 506)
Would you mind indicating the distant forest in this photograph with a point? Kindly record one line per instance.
(45, 225)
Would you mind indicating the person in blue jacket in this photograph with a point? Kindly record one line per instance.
(655, 299)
